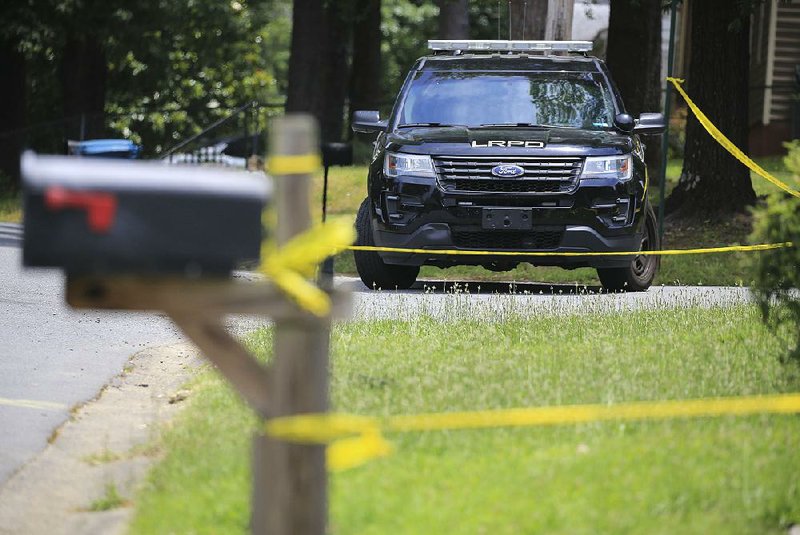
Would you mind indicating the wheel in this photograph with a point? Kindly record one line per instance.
(639, 275)
(374, 272)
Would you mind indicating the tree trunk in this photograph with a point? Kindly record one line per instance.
(559, 20)
(453, 19)
(83, 73)
(712, 181)
(337, 73)
(541, 19)
(306, 91)
(636, 25)
(365, 85)
(527, 19)
(318, 73)
(12, 112)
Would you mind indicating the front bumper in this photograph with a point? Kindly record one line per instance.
(574, 238)
(597, 216)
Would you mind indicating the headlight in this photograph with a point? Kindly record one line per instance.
(619, 167)
(408, 164)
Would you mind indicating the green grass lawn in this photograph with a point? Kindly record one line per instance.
(10, 209)
(712, 475)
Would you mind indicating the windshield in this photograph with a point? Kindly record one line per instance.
(573, 100)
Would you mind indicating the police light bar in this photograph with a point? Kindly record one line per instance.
(509, 46)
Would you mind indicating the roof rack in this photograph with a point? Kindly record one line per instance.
(474, 46)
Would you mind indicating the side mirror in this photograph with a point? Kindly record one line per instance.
(650, 124)
(624, 122)
(368, 122)
(337, 154)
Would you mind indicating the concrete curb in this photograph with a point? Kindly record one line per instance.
(102, 446)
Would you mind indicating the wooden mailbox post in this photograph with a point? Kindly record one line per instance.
(289, 480)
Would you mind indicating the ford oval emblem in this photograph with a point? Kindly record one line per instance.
(508, 171)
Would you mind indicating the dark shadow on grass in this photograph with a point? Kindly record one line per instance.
(489, 287)
(493, 287)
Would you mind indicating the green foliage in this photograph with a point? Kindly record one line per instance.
(174, 66)
(488, 19)
(199, 60)
(778, 278)
(406, 26)
(10, 206)
(5, 184)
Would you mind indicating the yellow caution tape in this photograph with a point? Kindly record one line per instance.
(291, 265)
(351, 452)
(354, 440)
(300, 164)
(665, 252)
(727, 143)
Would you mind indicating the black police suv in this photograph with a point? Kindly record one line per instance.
(508, 147)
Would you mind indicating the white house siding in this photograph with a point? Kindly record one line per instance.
(786, 60)
(590, 19)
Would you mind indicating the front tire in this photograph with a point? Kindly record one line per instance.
(374, 272)
(639, 274)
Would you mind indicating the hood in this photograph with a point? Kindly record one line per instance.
(460, 140)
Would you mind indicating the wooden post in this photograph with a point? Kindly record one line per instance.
(290, 480)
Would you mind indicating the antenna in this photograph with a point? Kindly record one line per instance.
(509, 19)
(524, 17)
(498, 20)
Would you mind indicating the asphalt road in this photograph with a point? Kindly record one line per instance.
(53, 357)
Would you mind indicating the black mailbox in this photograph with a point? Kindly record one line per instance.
(119, 217)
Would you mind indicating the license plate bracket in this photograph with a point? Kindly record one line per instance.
(507, 219)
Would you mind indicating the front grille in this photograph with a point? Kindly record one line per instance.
(542, 175)
(506, 186)
(537, 239)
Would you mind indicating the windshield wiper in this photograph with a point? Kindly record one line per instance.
(490, 125)
(523, 125)
(414, 125)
